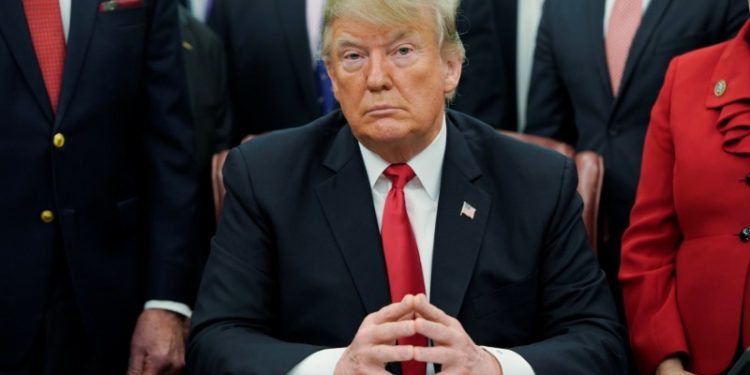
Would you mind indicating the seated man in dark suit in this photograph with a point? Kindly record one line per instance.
(396, 235)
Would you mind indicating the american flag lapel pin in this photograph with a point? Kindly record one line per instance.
(468, 210)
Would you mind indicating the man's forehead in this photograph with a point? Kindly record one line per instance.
(347, 31)
(384, 35)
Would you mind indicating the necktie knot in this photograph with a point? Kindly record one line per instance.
(399, 174)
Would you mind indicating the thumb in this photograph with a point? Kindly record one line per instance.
(150, 368)
(135, 362)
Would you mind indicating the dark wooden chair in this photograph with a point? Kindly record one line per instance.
(217, 177)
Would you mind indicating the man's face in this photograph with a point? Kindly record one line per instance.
(391, 83)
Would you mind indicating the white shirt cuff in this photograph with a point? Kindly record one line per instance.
(511, 362)
(175, 307)
(321, 362)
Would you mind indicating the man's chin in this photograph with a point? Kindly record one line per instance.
(388, 131)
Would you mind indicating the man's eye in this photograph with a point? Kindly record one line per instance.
(403, 51)
(352, 56)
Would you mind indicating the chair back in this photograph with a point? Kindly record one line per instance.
(217, 177)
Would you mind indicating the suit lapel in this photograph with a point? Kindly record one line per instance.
(347, 195)
(82, 16)
(294, 24)
(346, 199)
(595, 33)
(650, 21)
(457, 237)
(15, 31)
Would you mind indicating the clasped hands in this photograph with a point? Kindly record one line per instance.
(375, 345)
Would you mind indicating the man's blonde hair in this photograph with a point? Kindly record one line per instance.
(393, 13)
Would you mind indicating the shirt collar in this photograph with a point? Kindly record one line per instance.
(427, 165)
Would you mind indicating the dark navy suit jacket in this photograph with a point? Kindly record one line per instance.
(121, 187)
(271, 78)
(297, 262)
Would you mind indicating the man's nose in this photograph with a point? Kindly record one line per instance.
(379, 73)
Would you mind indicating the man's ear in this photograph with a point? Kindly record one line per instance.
(452, 66)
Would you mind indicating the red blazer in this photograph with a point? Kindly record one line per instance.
(684, 261)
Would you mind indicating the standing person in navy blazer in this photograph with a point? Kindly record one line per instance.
(572, 97)
(98, 194)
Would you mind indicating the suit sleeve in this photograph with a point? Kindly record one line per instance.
(234, 317)
(168, 142)
(549, 111)
(650, 244)
(483, 89)
(579, 330)
(223, 113)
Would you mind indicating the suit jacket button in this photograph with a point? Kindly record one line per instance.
(745, 234)
(47, 216)
(614, 131)
(58, 140)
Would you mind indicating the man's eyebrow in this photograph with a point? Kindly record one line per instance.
(344, 42)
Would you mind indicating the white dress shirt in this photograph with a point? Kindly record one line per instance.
(177, 307)
(65, 13)
(529, 15)
(199, 9)
(314, 17)
(421, 195)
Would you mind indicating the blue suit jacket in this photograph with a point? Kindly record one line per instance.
(297, 263)
(121, 188)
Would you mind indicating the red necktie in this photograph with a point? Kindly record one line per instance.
(623, 23)
(401, 254)
(45, 25)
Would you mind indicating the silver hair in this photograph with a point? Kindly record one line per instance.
(396, 12)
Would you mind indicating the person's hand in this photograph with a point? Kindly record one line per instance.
(452, 346)
(374, 345)
(158, 344)
(672, 366)
(186, 328)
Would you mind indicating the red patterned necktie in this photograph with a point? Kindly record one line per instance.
(623, 23)
(401, 254)
(45, 25)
